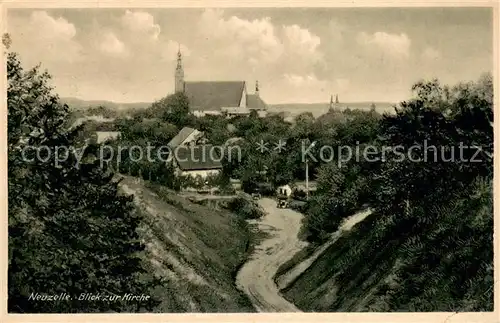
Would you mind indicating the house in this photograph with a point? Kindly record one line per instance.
(103, 136)
(197, 160)
(233, 140)
(284, 190)
(190, 158)
(235, 112)
(218, 97)
(186, 136)
(311, 187)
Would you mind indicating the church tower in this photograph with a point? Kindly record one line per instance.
(331, 103)
(179, 74)
(257, 88)
(336, 99)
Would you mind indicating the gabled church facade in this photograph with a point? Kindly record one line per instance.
(218, 97)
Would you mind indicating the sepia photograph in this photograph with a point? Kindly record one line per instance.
(249, 160)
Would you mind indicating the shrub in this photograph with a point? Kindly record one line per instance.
(245, 208)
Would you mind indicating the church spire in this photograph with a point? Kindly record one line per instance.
(179, 73)
(336, 98)
(256, 87)
(179, 58)
(331, 102)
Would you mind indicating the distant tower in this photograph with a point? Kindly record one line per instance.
(257, 88)
(179, 73)
(336, 99)
(331, 102)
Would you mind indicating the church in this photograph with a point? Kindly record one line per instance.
(218, 97)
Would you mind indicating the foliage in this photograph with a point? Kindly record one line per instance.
(101, 111)
(428, 245)
(70, 231)
(245, 208)
(173, 109)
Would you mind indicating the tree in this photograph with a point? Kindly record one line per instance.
(254, 114)
(70, 230)
(173, 109)
(432, 221)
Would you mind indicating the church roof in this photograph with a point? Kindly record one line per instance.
(254, 102)
(213, 95)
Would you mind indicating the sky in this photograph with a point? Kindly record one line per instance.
(298, 55)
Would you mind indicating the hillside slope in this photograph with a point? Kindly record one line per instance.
(194, 249)
(78, 104)
(397, 264)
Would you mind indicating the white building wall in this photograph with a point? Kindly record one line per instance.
(191, 137)
(200, 113)
(201, 173)
(262, 114)
(243, 101)
(102, 136)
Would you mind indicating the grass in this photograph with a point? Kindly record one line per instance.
(420, 262)
(195, 250)
(296, 259)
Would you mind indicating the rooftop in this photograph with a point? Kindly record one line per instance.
(254, 102)
(213, 95)
(202, 157)
(180, 137)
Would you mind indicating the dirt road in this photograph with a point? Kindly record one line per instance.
(256, 277)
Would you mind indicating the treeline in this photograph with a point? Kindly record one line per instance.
(158, 124)
(281, 161)
(431, 230)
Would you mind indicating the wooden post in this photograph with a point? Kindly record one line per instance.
(307, 180)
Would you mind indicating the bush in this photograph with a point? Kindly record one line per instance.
(70, 228)
(299, 206)
(299, 195)
(245, 208)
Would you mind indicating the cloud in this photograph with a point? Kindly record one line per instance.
(141, 22)
(310, 88)
(130, 55)
(170, 48)
(336, 31)
(52, 28)
(141, 34)
(301, 48)
(43, 38)
(110, 44)
(301, 39)
(311, 81)
(431, 54)
(240, 38)
(304, 80)
(342, 84)
(253, 48)
(394, 45)
(258, 39)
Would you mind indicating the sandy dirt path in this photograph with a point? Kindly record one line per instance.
(256, 277)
